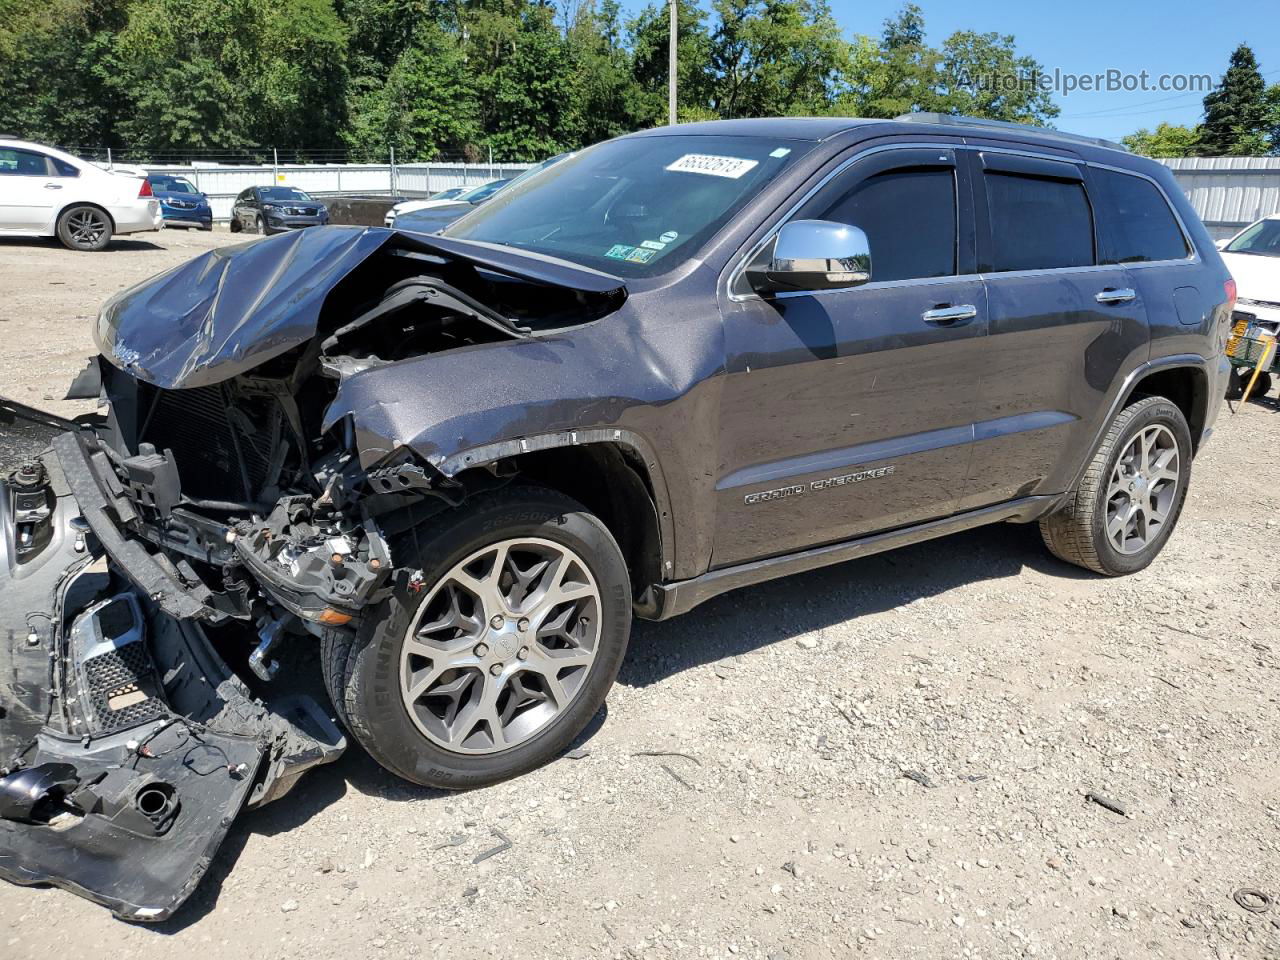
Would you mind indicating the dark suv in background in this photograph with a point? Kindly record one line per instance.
(452, 467)
(275, 210)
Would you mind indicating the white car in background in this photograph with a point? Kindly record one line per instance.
(473, 196)
(1253, 257)
(47, 193)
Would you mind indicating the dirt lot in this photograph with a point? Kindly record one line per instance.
(890, 757)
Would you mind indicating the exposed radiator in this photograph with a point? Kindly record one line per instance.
(220, 455)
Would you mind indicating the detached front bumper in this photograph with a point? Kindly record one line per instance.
(127, 746)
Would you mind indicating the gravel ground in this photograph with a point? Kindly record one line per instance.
(892, 757)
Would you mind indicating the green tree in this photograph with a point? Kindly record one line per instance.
(775, 57)
(1236, 113)
(649, 40)
(55, 70)
(982, 75)
(205, 74)
(606, 97)
(905, 78)
(1166, 140)
(525, 108)
(424, 108)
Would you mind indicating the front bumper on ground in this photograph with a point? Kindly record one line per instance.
(127, 746)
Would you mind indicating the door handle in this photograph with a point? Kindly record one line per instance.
(53, 186)
(1112, 295)
(947, 316)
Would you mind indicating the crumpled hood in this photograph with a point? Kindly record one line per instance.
(234, 308)
(231, 308)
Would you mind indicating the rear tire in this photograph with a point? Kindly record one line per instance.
(1261, 388)
(84, 228)
(416, 684)
(1131, 495)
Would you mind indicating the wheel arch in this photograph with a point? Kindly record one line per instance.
(613, 473)
(82, 203)
(1184, 384)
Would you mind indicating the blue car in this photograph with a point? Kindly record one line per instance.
(181, 204)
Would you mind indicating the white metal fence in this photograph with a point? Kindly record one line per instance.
(223, 184)
(1229, 193)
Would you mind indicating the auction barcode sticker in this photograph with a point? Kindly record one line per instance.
(731, 167)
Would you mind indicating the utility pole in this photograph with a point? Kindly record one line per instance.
(671, 65)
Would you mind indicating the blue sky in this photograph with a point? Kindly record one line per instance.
(1088, 36)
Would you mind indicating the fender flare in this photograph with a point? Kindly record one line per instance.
(1172, 362)
(489, 453)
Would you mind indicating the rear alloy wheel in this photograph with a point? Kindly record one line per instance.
(1131, 494)
(84, 228)
(502, 653)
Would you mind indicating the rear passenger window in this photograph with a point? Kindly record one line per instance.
(1143, 226)
(1037, 223)
(909, 217)
(64, 169)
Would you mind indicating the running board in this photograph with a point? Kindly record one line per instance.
(665, 600)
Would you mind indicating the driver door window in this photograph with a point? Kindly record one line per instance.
(908, 215)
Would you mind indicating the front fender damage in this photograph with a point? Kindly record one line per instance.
(162, 564)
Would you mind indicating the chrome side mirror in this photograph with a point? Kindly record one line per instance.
(814, 255)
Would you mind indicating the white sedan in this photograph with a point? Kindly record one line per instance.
(1253, 257)
(47, 193)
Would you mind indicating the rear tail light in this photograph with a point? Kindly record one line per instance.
(145, 189)
(1230, 288)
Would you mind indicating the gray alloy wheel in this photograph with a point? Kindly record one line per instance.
(1143, 489)
(84, 228)
(1129, 498)
(496, 646)
(259, 225)
(501, 646)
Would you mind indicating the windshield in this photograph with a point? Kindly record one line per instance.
(172, 184)
(282, 193)
(1262, 239)
(483, 192)
(634, 207)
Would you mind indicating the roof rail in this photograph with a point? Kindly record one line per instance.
(963, 121)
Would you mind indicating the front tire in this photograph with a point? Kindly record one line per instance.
(1131, 495)
(84, 228)
(490, 662)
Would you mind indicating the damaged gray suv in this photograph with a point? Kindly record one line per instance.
(451, 468)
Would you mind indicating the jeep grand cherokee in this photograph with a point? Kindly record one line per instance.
(452, 467)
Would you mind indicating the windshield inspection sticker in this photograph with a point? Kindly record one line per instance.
(731, 167)
(619, 251)
(780, 152)
(640, 255)
(669, 236)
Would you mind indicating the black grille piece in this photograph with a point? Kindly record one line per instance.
(217, 457)
(120, 684)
